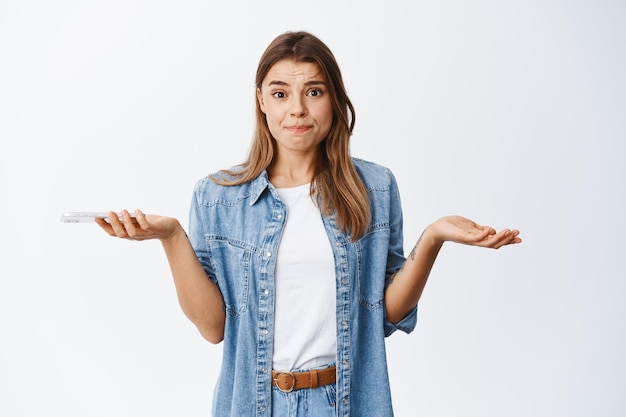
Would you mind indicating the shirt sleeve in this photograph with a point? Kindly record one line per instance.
(407, 324)
(395, 256)
(196, 233)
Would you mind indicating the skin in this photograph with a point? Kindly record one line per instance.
(407, 284)
(198, 297)
(299, 114)
(295, 100)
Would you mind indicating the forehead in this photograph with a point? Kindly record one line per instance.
(288, 70)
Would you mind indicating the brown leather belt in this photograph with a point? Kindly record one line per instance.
(288, 381)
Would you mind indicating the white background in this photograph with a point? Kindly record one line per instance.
(511, 113)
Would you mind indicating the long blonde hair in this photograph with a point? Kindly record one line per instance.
(341, 189)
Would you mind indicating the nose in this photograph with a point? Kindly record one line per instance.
(298, 109)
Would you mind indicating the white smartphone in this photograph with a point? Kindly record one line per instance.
(86, 216)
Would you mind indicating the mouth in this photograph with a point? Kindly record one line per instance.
(298, 128)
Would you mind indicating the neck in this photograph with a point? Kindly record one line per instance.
(286, 178)
(292, 173)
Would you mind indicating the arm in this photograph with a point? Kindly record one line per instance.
(407, 284)
(199, 297)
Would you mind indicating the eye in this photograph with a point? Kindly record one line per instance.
(278, 94)
(316, 92)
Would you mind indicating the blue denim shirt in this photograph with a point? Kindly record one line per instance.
(235, 232)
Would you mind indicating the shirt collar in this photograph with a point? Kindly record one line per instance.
(258, 186)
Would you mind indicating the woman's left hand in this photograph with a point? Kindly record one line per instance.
(461, 230)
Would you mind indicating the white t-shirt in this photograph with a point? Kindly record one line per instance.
(305, 334)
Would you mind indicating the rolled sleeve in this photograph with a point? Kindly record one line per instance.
(407, 324)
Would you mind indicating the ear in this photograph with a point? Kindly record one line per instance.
(259, 97)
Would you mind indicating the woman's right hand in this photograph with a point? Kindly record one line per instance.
(140, 227)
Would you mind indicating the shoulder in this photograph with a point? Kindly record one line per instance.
(373, 175)
(209, 192)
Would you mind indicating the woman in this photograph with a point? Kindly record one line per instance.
(294, 258)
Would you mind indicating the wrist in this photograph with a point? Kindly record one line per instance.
(177, 233)
(431, 237)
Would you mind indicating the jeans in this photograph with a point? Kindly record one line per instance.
(307, 402)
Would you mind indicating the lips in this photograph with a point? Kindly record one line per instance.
(298, 129)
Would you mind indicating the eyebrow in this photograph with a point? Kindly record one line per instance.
(308, 83)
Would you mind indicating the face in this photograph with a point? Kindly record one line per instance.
(295, 99)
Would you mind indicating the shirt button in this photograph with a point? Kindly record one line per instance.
(265, 331)
(280, 216)
(268, 254)
(266, 292)
(344, 282)
(262, 408)
(345, 323)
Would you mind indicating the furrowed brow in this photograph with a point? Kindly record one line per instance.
(308, 83)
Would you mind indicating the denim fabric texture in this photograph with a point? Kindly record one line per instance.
(310, 402)
(235, 232)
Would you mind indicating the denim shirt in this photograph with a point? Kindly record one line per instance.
(235, 232)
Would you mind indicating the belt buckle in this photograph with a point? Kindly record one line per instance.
(293, 381)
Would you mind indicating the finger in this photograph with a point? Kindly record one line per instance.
(141, 219)
(116, 225)
(105, 226)
(129, 224)
(510, 236)
(516, 239)
(500, 243)
(493, 240)
(484, 233)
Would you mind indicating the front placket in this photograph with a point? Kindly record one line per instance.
(265, 330)
(339, 243)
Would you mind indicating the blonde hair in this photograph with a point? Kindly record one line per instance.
(335, 179)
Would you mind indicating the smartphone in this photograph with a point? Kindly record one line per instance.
(86, 216)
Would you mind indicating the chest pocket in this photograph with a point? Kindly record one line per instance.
(231, 264)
